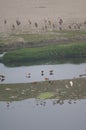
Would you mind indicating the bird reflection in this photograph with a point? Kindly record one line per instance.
(51, 72)
(42, 72)
(40, 102)
(28, 75)
(8, 104)
(58, 101)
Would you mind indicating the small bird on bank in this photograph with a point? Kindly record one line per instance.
(71, 83)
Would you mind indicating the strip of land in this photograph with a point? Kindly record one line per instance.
(27, 49)
(72, 89)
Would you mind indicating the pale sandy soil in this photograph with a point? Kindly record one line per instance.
(71, 11)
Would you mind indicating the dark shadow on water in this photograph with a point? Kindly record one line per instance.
(46, 61)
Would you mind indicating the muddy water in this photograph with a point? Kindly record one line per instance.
(34, 73)
(37, 115)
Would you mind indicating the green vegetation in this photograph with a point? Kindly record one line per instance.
(45, 54)
(15, 41)
(35, 38)
(46, 95)
(73, 33)
(41, 48)
(60, 89)
(27, 38)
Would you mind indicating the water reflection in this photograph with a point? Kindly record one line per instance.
(42, 103)
(54, 102)
(34, 114)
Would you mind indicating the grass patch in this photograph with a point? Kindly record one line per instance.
(43, 48)
(48, 53)
(73, 33)
(45, 95)
(34, 38)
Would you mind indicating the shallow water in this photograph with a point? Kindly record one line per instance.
(60, 71)
(32, 114)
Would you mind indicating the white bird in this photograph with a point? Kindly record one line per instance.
(71, 83)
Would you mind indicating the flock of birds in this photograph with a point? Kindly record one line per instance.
(2, 77)
(51, 72)
(47, 24)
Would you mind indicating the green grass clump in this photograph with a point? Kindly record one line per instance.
(48, 53)
(45, 95)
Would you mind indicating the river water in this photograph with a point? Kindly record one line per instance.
(35, 114)
(29, 115)
(60, 71)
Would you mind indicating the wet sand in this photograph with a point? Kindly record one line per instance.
(70, 11)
